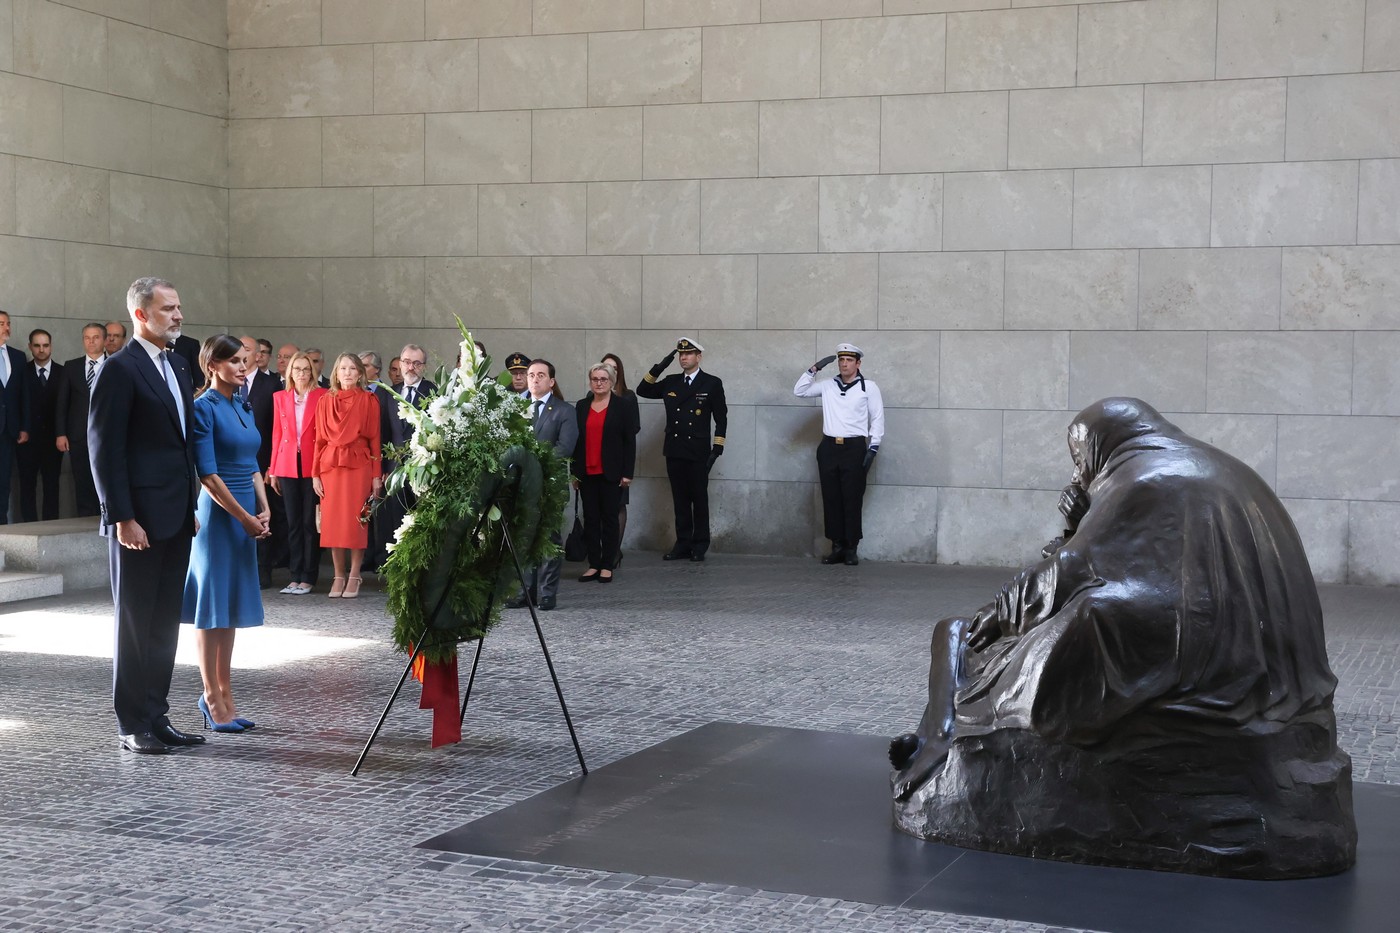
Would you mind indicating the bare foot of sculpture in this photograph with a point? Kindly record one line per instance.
(915, 773)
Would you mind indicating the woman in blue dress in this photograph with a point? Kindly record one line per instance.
(221, 591)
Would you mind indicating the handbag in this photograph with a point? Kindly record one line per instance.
(575, 545)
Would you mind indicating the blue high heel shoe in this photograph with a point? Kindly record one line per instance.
(245, 723)
(209, 722)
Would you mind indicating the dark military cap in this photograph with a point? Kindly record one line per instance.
(686, 344)
(518, 361)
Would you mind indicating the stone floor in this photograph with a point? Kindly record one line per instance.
(268, 830)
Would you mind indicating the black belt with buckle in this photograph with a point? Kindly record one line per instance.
(842, 440)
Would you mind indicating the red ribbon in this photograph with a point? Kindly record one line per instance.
(439, 680)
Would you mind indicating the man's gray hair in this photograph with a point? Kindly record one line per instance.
(413, 346)
(140, 292)
(374, 359)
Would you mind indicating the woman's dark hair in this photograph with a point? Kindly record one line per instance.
(620, 386)
(217, 349)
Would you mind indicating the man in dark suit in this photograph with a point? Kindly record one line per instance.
(140, 438)
(556, 424)
(317, 361)
(379, 535)
(257, 391)
(692, 399)
(418, 391)
(39, 460)
(14, 411)
(71, 414)
(188, 348)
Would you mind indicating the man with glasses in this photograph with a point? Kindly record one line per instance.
(115, 334)
(417, 391)
(317, 361)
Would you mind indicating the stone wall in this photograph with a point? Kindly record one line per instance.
(1015, 207)
(113, 160)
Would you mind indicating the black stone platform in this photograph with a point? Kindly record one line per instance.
(807, 812)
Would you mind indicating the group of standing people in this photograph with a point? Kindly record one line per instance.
(181, 481)
(601, 442)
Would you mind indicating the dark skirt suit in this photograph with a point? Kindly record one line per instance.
(601, 489)
(291, 464)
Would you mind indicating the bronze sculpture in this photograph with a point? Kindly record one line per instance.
(1154, 693)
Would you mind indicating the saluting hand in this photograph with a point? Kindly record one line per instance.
(822, 363)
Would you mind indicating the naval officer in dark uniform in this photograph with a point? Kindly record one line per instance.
(692, 399)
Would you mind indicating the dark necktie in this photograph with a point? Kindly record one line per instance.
(539, 403)
(92, 369)
(687, 381)
(411, 395)
(44, 377)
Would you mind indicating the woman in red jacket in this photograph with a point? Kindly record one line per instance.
(293, 446)
(345, 471)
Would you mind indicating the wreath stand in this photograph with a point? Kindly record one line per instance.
(506, 544)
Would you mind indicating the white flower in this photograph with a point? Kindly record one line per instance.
(433, 442)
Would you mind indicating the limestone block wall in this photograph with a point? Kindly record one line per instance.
(1015, 207)
(113, 160)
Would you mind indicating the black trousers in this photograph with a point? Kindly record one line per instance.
(388, 516)
(148, 589)
(39, 461)
(303, 543)
(7, 465)
(277, 541)
(690, 497)
(602, 498)
(84, 489)
(841, 468)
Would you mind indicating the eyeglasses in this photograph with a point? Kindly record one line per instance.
(599, 379)
(413, 364)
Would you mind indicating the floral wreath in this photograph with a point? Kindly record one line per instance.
(472, 448)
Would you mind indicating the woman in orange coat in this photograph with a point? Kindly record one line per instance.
(345, 469)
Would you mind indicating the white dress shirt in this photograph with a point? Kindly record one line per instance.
(856, 410)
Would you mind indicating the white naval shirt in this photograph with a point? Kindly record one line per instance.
(853, 413)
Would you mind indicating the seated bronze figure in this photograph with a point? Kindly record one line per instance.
(1154, 693)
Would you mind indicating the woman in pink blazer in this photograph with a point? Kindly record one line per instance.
(293, 446)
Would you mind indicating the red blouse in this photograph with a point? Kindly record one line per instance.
(593, 442)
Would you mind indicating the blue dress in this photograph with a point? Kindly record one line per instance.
(221, 589)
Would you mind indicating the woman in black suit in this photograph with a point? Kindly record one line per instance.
(604, 460)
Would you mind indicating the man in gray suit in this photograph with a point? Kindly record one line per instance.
(555, 423)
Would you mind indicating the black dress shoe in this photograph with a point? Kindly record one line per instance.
(837, 555)
(851, 558)
(516, 602)
(143, 743)
(675, 554)
(697, 557)
(172, 736)
(547, 603)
